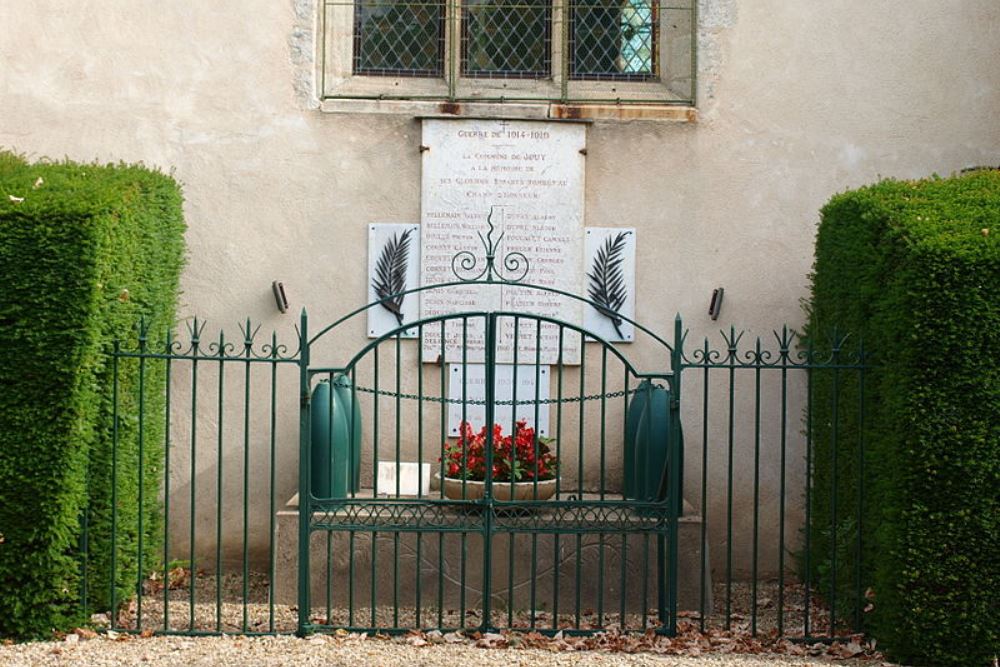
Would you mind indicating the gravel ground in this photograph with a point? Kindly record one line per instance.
(352, 651)
(232, 616)
(718, 648)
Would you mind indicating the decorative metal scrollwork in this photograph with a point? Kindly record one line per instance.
(512, 269)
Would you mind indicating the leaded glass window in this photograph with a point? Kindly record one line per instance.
(397, 55)
(613, 39)
(506, 38)
(399, 37)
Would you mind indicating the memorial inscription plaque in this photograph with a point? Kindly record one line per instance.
(531, 175)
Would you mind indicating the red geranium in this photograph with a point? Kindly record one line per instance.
(521, 457)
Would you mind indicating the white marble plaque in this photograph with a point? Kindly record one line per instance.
(474, 389)
(610, 280)
(396, 249)
(531, 175)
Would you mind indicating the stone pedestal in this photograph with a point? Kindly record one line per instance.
(426, 569)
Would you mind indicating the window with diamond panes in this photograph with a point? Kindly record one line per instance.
(612, 39)
(496, 51)
(506, 38)
(400, 38)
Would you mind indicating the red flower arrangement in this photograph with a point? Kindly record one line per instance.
(518, 457)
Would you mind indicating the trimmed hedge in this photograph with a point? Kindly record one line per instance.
(914, 268)
(85, 251)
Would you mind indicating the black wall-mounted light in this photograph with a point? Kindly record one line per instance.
(280, 299)
(716, 303)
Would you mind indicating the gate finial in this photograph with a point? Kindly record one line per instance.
(514, 265)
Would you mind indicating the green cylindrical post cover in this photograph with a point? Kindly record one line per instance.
(351, 413)
(651, 444)
(331, 442)
(636, 411)
(321, 443)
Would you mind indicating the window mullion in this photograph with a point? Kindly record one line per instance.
(454, 24)
(565, 55)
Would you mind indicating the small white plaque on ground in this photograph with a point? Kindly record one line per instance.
(412, 478)
(393, 266)
(474, 394)
(530, 174)
(610, 280)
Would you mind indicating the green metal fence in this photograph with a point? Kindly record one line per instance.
(575, 514)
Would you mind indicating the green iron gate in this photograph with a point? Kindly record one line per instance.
(564, 515)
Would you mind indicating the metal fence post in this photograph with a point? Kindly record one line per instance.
(675, 458)
(490, 360)
(305, 492)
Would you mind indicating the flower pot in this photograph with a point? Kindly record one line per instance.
(501, 490)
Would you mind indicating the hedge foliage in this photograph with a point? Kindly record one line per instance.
(86, 250)
(914, 268)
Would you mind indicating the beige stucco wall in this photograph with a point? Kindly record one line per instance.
(798, 100)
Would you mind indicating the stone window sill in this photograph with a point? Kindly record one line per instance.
(514, 110)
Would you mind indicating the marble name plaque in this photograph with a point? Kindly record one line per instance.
(530, 176)
(467, 393)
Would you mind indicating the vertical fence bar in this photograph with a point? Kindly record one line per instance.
(555, 539)
(305, 483)
(114, 484)
(703, 580)
(601, 462)
(218, 487)
(420, 466)
(330, 465)
(352, 535)
(579, 472)
(675, 458)
(329, 576)
(729, 480)
(513, 453)
(623, 591)
(861, 488)
(534, 535)
(465, 445)
(490, 397)
(395, 534)
(375, 439)
(195, 352)
(248, 345)
(781, 485)
(442, 355)
(808, 489)
(84, 546)
(271, 579)
(756, 486)
(166, 485)
(834, 422)
(141, 494)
